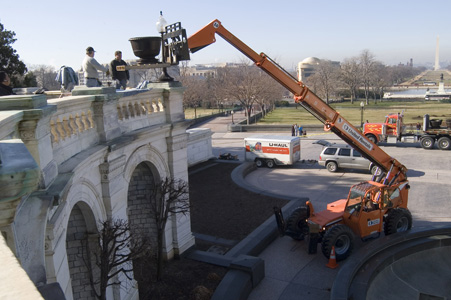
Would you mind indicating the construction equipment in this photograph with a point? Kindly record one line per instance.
(371, 207)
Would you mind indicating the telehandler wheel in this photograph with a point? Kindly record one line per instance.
(259, 163)
(332, 166)
(342, 238)
(398, 220)
(375, 170)
(270, 163)
(444, 143)
(297, 222)
(427, 142)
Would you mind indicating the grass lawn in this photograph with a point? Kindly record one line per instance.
(413, 112)
(200, 112)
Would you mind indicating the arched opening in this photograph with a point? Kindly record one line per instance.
(141, 220)
(79, 226)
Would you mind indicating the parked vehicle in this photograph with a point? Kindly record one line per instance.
(393, 130)
(271, 150)
(342, 156)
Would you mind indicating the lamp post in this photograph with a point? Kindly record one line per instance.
(362, 106)
(232, 116)
(161, 28)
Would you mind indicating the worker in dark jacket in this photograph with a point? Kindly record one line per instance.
(5, 81)
(121, 76)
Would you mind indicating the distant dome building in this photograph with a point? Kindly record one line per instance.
(307, 67)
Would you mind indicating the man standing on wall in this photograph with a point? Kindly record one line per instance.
(122, 75)
(90, 67)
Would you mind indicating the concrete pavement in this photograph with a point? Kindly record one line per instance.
(291, 273)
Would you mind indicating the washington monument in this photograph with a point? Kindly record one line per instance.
(437, 65)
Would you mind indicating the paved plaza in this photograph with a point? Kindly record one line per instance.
(291, 273)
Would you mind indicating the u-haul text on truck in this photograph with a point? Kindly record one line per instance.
(271, 150)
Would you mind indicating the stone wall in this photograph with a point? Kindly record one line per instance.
(199, 145)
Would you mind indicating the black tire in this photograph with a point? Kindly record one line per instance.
(375, 169)
(332, 166)
(372, 138)
(297, 222)
(427, 142)
(398, 220)
(270, 163)
(342, 238)
(259, 163)
(444, 143)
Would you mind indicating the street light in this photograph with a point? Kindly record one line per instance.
(362, 105)
(161, 28)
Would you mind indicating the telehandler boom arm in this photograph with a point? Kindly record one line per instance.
(331, 119)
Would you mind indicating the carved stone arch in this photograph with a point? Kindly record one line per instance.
(83, 213)
(144, 168)
(153, 159)
(84, 191)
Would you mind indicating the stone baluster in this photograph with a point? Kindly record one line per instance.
(105, 110)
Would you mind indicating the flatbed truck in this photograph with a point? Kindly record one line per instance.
(393, 130)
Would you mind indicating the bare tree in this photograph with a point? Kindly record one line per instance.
(45, 76)
(401, 73)
(325, 80)
(367, 67)
(111, 253)
(246, 84)
(379, 81)
(350, 76)
(195, 92)
(168, 198)
(270, 92)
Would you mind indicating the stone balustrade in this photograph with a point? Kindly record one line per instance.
(76, 157)
(73, 117)
(138, 109)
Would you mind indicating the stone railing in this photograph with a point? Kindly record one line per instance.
(137, 108)
(66, 124)
(54, 130)
(72, 126)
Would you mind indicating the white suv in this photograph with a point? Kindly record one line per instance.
(335, 156)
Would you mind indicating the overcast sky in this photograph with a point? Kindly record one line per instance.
(57, 33)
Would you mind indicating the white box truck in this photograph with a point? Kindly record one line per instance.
(271, 150)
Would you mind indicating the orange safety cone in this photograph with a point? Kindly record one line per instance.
(332, 260)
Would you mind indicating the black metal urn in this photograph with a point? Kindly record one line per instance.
(146, 48)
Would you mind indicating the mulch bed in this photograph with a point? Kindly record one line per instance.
(220, 209)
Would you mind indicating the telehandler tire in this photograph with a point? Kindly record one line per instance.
(375, 170)
(398, 220)
(297, 222)
(342, 238)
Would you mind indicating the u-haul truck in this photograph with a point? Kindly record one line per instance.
(271, 150)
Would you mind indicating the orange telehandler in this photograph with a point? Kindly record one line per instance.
(372, 206)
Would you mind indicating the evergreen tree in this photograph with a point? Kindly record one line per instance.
(9, 59)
